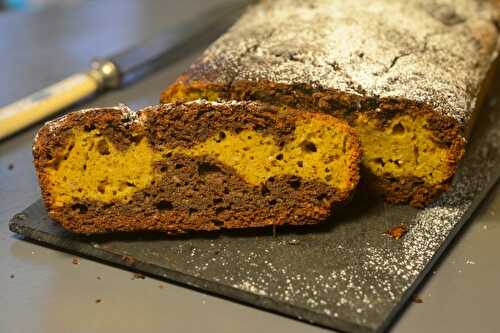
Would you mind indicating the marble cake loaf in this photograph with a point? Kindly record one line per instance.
(407, 75)
(194, 166)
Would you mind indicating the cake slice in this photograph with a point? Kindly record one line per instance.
(407, 75)
(194, 166)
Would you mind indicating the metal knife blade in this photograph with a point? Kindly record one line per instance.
(139, 60)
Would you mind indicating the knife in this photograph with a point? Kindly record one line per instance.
(119, 70)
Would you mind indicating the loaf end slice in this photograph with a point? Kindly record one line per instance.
(194, 166)
(409, 76)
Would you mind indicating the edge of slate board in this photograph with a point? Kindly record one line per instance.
(391, 318)
(20, 224)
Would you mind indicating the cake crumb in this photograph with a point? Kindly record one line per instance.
(98, 277)
(397, 232)
(98, 300)
(128, 259)
(137, 276)
(75, 261)
(417, 300)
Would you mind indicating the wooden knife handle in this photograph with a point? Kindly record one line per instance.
(46, 102)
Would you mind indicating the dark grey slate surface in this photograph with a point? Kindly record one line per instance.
(345, 274)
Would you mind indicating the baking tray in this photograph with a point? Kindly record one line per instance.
(346, 274)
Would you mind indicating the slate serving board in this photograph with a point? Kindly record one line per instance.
(345, 274)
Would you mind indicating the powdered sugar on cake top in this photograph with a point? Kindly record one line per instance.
(437, 52)
(127, 114)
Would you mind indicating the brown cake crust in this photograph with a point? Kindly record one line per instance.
(196, 193)
(346, 58)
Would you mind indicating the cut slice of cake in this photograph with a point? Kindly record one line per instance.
(194, 166)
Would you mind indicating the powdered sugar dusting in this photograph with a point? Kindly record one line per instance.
(421, 50)
(127, 114)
